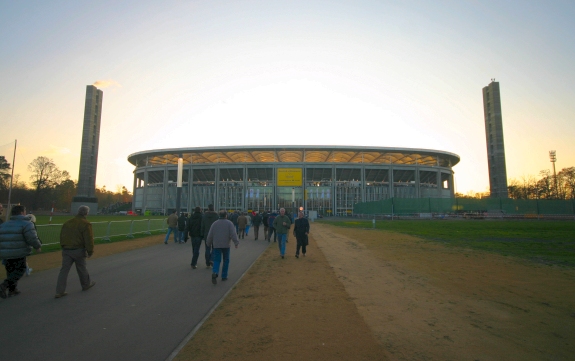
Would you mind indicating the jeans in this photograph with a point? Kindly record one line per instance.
(182, 236)
(196, 243)
(218, 253)
(15, 269)
(247, 229)
(170, 230)
(282, 243)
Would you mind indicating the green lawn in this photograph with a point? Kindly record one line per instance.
(93, 218)
(547, 242)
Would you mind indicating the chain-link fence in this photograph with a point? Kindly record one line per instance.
(50, 233)
(467, 208)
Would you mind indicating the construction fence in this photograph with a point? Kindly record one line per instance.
(467, 208)
(50, 233)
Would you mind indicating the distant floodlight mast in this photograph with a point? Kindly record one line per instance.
(553, 159)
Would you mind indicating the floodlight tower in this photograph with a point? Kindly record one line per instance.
(553, 159)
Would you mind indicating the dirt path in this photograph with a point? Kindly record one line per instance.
(286, 309)
(428, 302)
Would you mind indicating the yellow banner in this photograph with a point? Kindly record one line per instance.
(290, 177)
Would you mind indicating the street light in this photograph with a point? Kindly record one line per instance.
(293, 201)
(553, 159)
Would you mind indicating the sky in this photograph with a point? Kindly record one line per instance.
(221, 73)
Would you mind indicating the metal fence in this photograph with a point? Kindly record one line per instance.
(467, 208)
(50, 233)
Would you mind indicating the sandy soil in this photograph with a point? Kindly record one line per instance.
(374, 295)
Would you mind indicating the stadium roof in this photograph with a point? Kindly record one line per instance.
(295, 154)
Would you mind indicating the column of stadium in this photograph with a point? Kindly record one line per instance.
(86, 190)
(494, 140)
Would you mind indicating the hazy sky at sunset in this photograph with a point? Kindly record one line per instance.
(210, 73)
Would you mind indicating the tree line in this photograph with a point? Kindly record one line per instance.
(50, 187)
(547, 186)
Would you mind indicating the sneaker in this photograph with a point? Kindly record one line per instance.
(60, 295)
(89, 286)
(208, 266)
(214, 278)
(3, 290)
(224, 279)
(297, 256)
(282, 257)
(194, 266)
(16, 292)
(28, 271)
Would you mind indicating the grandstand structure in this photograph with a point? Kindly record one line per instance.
(326, 179)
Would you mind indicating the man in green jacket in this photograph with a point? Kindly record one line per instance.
(282, 225)
(77, 241)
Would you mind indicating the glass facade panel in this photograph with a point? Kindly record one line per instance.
(231, 195)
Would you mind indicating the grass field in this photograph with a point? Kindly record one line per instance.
(93, 218)
(51, 235)
(546, 242)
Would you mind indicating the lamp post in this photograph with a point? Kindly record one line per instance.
(553, 159)
(293, 202)
(179, 184)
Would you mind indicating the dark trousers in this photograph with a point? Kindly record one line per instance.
(256, 232)
(266, 232)
(272, 230)
(208, 253)
(70, 257)
(15, 269)
(196, 243)
(242, 232)
(301, 243)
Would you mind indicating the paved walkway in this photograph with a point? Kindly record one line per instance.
(144, 304)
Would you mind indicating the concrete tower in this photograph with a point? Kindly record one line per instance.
(494, 137)
(86, 192)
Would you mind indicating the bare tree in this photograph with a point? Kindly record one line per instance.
(4, 173)
(45, 175)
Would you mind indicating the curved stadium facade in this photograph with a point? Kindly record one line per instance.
(326, 179)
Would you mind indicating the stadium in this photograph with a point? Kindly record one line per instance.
(326, 179)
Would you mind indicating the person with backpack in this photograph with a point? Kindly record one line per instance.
(271, 228)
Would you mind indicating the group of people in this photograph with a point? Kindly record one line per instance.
(219, 230)
(18, 237)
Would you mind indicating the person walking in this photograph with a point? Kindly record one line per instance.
(17, 238)
(301, 231)
(242, 222)
(195, 231)
(234, 218)
(172, 222)
(271, 228)
(248, 216)
(77, 242)
(220, 236)
(265, 217)
(182, 228)
(209, 218)
(282, 225)
(257, 221)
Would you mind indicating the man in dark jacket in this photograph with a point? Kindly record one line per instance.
(17, 238)
(182, 228)
(301, 231)
(77, 241)
(257, 221)
(195, 231)
(265, 223)
(234, 218)
(209, 218)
